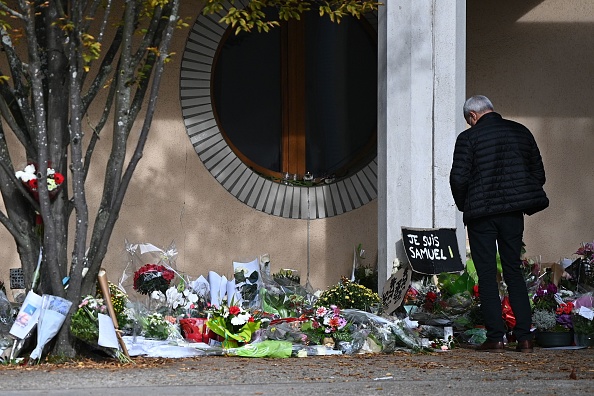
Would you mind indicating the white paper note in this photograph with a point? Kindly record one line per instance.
(107, 333)
(28, 315)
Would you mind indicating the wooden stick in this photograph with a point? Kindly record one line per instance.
(102, 277)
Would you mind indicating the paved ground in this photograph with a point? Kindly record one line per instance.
(456, 372)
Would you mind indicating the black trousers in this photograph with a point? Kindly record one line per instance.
(486, 235)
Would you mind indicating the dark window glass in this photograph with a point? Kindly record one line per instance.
(336, 75)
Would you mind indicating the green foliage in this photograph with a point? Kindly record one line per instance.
(85, 324)
(156, 326)
(286, 277)
(252, 17)
(452, 284)
(582, 325)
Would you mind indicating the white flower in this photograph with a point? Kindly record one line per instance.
(240, 319)
(157, 295)
(27, 174)
(174, 298)
(191, 297)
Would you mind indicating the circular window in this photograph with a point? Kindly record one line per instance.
(286, 120)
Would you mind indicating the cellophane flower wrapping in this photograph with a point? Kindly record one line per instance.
(266, 348)
(283, 297)
(53, 314)
(388, 334)
(149, 272)
(84, 323)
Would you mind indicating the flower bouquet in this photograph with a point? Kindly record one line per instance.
(233, 324)
(84, 324)
(29, 176)
(149, 271)
(584, 273)
(287, 277)
(347, 294)
(325, 324)
(157, 326)
(551, 316)
(152, 277)
(188, 307)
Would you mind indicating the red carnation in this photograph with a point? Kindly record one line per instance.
(58, 178)
(234, 310)
(32, 184)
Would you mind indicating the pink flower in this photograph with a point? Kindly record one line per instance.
(321, 311)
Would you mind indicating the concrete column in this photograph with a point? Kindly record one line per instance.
(422, 46)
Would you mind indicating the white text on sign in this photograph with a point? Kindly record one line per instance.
(425, 248)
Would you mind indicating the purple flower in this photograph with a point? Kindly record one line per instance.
(551, 288)
(565, 321)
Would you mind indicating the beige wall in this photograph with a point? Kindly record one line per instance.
(174, 198)
(533, 58)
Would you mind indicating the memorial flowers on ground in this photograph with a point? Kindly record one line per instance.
(550, 312)
(84, 324)
(152, 277)
(233, 324)
(327, 322)
(347, 294)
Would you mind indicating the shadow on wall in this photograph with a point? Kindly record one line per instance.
(533, 63)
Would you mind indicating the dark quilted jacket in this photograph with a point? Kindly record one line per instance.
(497, 168)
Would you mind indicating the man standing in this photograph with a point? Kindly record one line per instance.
(497, 176)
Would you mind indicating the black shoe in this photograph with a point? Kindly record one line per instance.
(526, 346)
(491, 346)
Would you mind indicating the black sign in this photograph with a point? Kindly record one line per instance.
(432, 250)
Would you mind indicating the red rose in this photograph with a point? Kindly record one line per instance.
(32, 184)
(431, 296)
(58, 178)
(234, 310)
(475, 291)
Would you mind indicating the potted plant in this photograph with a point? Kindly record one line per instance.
(583, 329)
(583, 324)
(552, 320)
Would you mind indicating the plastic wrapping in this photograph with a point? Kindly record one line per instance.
(267, 348)
(53, 314)
(283, 297)
(389, 334)
(139, 281)
(6, 315)
(6, 321)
